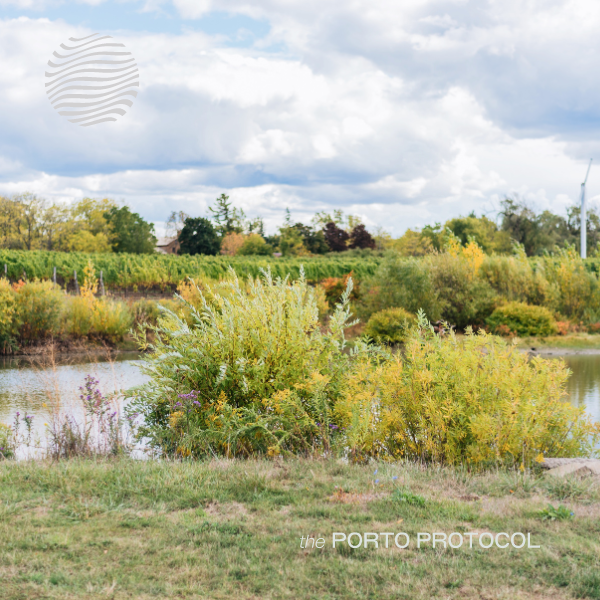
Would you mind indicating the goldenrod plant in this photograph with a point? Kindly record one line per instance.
(474, 399)
(255, 371)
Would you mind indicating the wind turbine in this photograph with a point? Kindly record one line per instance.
(583, 216)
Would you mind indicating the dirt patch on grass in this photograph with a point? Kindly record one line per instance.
(227, 510)
(342, 497)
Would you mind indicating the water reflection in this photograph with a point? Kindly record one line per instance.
(584, 384)
(43, 388)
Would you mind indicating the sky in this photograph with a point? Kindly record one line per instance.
(404, 112)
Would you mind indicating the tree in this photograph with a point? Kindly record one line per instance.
(86, 241)
(335, 237)
(361, 238)
(291, 242)
(229, 219)
(592, 226)
(314, 241)
(198, 236)
(175, 223)
(255, 244)
(483, 231)
(231, 243)
(521, 224)
(129, 232)
(338, 217)
(413, 243)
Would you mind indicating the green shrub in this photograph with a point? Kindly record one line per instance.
(7, 442)
(253, 372)
(8, 317)
(517, 279)
(401, 282)
(472, 400)
(39, 308)
(516, 318)
(464, 298)
(255, 244)
(390, 325)
(145, 313)
(103, 318)
(577, 289)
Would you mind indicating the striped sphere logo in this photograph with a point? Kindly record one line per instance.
(92, 80)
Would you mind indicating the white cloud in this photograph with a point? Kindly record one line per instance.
(409, 112)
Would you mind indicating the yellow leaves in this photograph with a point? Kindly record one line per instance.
(175, 418)
(184, 452)
(472, 400)
(273, 451)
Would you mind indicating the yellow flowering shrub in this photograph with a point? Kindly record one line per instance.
(90, 316)
(476, 400)
(8, 316)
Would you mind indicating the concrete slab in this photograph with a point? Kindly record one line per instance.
(571, 469)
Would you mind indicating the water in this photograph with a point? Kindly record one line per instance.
(36, 389)
(584, 385)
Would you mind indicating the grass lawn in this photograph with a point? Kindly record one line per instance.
(232, 529)
(574, 341)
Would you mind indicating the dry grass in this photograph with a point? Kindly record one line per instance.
(87, 529)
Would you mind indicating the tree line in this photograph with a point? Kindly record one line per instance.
(538, 233)
(28, 222)
(229, 232)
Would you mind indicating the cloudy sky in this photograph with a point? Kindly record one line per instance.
(405, 112)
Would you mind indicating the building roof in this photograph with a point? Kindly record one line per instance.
(165, 241)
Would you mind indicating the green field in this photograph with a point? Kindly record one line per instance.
(223, 529)
(151, 270)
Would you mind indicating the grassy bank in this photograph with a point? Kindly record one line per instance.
(222, 529)
(574, 341)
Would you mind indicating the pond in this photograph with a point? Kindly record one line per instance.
(36, 388)
(42, 387)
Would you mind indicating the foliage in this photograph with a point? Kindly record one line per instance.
(7, 442)
(463, 297)
(361, 238)
(86, 241)
(9, 323)
(231, 243)
(474, 400)
(408, 498)
(255, 371)
(517, 318)
(412, 243)
(390, 325)
(39, 309)
(145, 313)
(515, 278)
(291, 242)
(312, 239)
(337, 239)
(482, 231)
(198, 236)
(162, 270)
(100, 434)
(578, 290)
(334, 288)
(401, 282)
(255, 244)
(229, 219)
(129, 232)
(551, 513)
